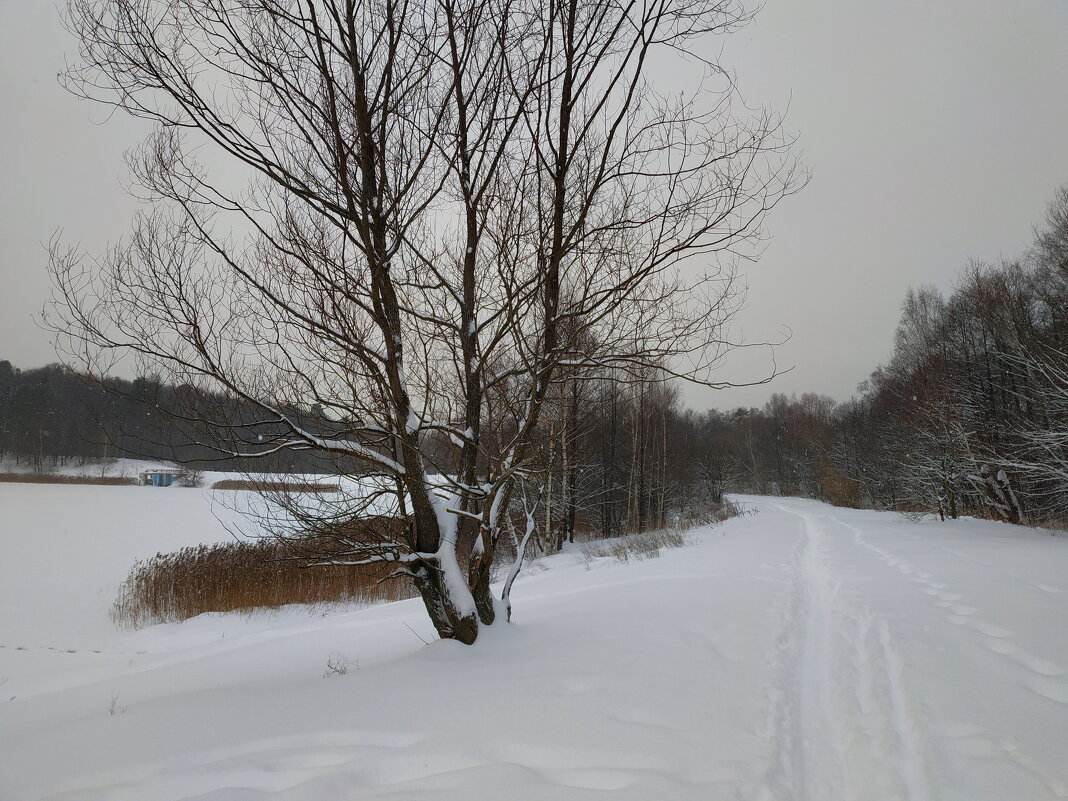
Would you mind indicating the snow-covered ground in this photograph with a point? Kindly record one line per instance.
(803, 652)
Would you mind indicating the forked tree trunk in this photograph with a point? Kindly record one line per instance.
(443, 609)
(452, 616)
(484, 600)
(479, 575)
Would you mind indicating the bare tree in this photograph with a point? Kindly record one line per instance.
(1038, 455)
(430, 193)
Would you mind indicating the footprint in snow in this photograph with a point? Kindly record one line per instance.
(989, 629)
(1053, 690)
(999, 646)
(1036, 664)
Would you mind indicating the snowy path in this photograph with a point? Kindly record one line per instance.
(920, 662)
(803, 653)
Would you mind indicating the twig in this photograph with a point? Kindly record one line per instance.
(416, 633)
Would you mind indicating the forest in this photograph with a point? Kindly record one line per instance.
(54, 416)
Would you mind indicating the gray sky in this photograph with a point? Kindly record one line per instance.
(935, 132)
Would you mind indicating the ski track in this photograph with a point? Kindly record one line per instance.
(1042, 673)
(854, 731)
(851, 732)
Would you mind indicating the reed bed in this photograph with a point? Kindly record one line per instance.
(244, 576)
(51, 478)
(274, 486)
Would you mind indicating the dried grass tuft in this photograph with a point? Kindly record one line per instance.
(646, 545)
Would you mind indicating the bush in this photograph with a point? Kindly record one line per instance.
(191, 479)
(710, 515)
(646, 545)
(838, 489)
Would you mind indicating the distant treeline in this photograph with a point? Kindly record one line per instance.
(969, 416)
(614, 456)
(52, 415)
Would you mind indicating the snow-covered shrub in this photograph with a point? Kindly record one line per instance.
(646, 545)
(191, 479)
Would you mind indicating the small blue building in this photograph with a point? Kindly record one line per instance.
(160, 477)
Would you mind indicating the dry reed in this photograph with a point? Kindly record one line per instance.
(243, 576)
(51, 478)
(274, 486)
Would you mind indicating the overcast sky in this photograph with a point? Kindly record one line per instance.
(935, 132)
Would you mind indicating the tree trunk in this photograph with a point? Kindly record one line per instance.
(479, 578)
(449, 623)
(571, 465)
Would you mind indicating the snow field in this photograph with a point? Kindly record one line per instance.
(801, 653)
